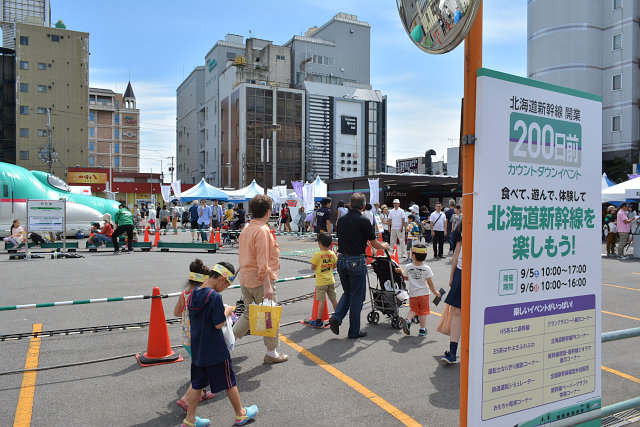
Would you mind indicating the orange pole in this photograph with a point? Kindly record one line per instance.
(472, 62)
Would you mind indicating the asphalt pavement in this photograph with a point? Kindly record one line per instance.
(386, 378)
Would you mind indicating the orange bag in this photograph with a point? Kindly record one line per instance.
(444, 325)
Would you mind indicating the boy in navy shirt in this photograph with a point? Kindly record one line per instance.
(211, 361)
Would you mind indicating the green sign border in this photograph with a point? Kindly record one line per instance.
(535, 83)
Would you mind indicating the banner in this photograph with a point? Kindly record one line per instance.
(534, 346)
(374, 191)
(166, 192)
(308, 195)
(176, 186)
(87, 177)
(297, 187)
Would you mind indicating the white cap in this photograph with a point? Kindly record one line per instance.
(396, 201)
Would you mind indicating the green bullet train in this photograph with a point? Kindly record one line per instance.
(18, 184)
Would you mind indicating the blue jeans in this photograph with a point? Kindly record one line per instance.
(100, 238)
(203, 234)
(353, 275)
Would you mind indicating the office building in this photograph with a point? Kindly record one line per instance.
(52, 94)
(315, 88)
(114, 130)
(592, 47)
(33, 12)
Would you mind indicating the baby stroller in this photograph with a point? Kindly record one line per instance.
(389, 293)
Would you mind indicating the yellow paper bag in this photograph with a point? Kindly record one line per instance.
(264, 320)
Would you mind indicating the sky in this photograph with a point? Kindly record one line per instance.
(157, 47)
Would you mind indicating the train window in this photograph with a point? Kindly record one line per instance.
(58, 183)
(5, 191)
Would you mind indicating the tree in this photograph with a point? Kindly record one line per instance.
(618, 169)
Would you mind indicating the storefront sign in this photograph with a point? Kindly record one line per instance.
(536, 272)
(87, 178)
(349, 125)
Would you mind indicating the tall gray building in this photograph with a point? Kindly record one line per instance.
(592, 46)
(315, 87)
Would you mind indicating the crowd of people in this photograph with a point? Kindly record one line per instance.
(205, 316)
(620, 224)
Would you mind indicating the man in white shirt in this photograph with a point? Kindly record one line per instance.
(396, 225)
(438, 230)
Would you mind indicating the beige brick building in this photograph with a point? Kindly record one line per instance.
(52, 74)
(114, 130)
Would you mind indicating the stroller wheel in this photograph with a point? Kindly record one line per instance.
(373, 317)
(395, 322)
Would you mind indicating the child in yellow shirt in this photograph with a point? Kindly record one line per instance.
(323, 262)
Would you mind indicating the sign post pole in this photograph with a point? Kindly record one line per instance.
(64, 228)
(472, 62)
(26, 240)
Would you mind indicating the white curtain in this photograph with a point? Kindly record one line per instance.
(176, 186)
(166, 192)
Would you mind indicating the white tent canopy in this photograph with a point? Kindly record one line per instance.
(616, 193)
(246, 193)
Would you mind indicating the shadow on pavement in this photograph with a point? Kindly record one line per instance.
(446, 382)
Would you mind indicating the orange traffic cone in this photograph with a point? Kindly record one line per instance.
(394, 256)
(314, 310)
(146, 234)
(158, 347)
(157, 238)
(368, 253)
(212, 238)
(218, 239)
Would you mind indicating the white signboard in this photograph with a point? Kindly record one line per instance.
(534, 345)
(46, 215)
(632, 194)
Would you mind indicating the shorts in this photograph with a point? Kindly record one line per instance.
(328, 290)
(420, 305)
(219, 377)
(194, 225)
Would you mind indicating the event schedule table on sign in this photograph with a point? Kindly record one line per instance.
(534, 346)
(536, 353)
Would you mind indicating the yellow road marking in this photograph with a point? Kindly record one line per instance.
(622, 287)
(28, 388)
(621, 374)
(634, 273)
(395, 412)
(621, 315)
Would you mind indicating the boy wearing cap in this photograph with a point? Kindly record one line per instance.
(418, 275)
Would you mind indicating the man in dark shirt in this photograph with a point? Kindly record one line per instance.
(323, 216)
(354, 232)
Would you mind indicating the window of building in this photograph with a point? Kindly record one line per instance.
(24, 87)
(92, 116)
(42, 132)
(24, 155)
(117, 133)
(280, 58)
(55, 38)
(42, 110)
(92, 161)
(617, 41)
(24, 132)
(325, 60)
(231, 55)
(24, 65)
(42, 88)
(116, 148)
(616, 82)
(617, 4)
(92, 146)
(42, 66)
(91, 131)
(24, 40)
(116, 117)
(116, 162)
(615, 124)
(24, 109)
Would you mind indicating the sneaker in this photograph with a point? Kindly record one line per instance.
(423, 332)
(406, 326)
(334, 325)
(252, 411)
(116, 252)
(200, 422)
(268, 360)
(316, 323)
(622, 257)
(449, 359)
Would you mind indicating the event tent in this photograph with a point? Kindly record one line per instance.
(203, 190)
(319, 189)
(606, 182)
(616, 193)
(246, 193)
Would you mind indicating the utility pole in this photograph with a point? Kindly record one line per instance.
(48, 155)
(171, 167)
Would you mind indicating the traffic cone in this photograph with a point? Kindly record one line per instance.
(218, 239)
(146, 234)
(157, 238)
(212, 238)
(158, 347)
(368, 253)
(394, 256)
(314, 310)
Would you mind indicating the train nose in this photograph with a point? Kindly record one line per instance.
(81, 214)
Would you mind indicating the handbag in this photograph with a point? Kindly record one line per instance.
(264, 319)
(227, 331)
(444, 326)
